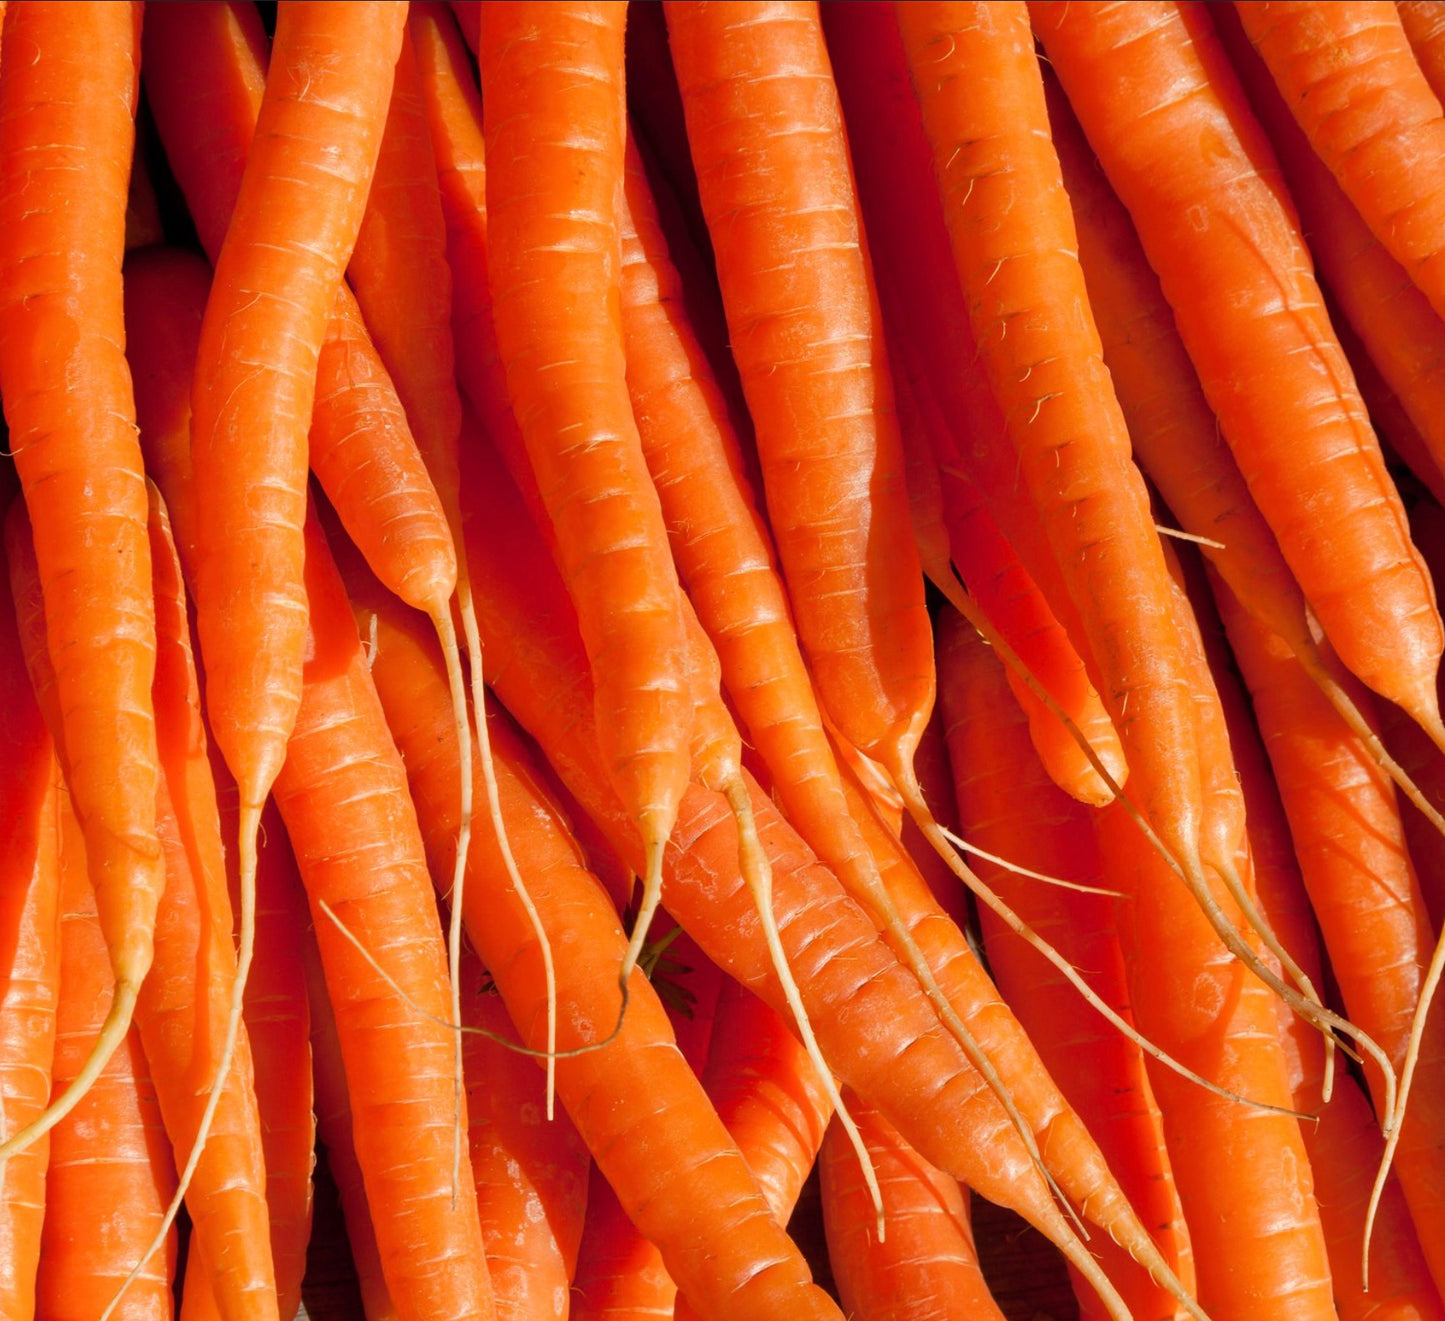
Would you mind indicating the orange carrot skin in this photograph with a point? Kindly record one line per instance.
(1349, 76)
(1352, 852)
(111, 1151)
(205, 68)
(620, 1274)
(343, 779)
(530, 1171)
(277, 274)
(29, 990)
(1234, 269)
(552, 197)
(1008, 807)
(927, 1266)
(1041, 354)
(807, 337)
(667, 1159)
(1345, 1145)
(66, 110)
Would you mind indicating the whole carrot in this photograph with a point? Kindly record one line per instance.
(553, 107)
(67, 97)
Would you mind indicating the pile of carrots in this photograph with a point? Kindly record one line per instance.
(620, 606)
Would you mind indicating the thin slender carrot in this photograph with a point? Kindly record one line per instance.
(1344, 1145)
(110, 1153)
(1006, 806)
(1349, 76)
(553, 115)
(333, 1125)
(1220, 237)
(651, 1155)
(29, 930)
(806, 334)
(67, 98)
(943, 1106)
(929, 1265)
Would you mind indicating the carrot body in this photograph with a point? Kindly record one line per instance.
(205, 69)
(66, 109)
(1348, 74)
(1352, 854)
(111, 1151)
(1144, 78)
(277, 273)
(927, 1266)
(806, 334)
(552, 197)
(1007, 807)
(29, 989)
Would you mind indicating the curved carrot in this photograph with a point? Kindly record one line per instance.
(1233, 267)
(552, 84)
(806, 335)
(66, 109)
(110, 1153)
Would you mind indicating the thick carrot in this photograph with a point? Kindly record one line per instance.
(1007, 806)
(29, 938)
(1144, 78)
(670, 1162)
(928, 1265)
(553, 115)
(1348, 74)
(67, 99)
(806, 335)
(110, 1153)
(943, 1106)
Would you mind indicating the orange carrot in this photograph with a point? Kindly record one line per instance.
(110, 1153)
(67, 97)
(552, 84)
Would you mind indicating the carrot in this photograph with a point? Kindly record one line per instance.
(1344, 1145)
(1007, 806)
(929, 1260)
(333, 1125)
(925, 1086)
(530, 1170)
(205, 74)
(552, 197)
(690, 1168)
(66, 133)
(1220, 236)
(1349, 76)
(29, 929)
(110, 1153)
(302, 194)
(620, 1274)
(1352, 854)
(805, 331)
(181, 1013)
(1424, 24)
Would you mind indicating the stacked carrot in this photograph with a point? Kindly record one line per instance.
(694, 394)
